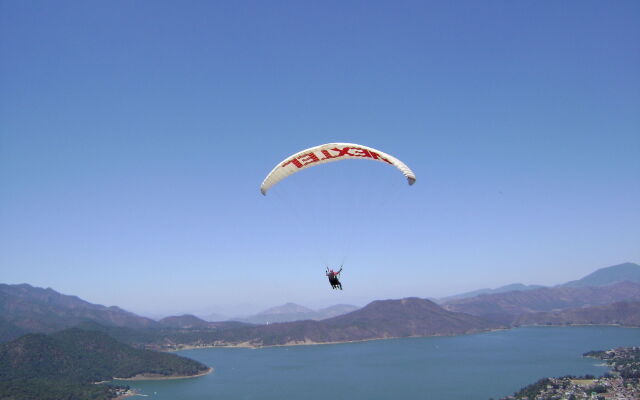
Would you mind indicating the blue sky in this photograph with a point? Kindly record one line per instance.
(134, 137)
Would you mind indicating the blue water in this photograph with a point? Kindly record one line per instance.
(469, 367)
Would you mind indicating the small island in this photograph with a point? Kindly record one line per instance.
(621, 382)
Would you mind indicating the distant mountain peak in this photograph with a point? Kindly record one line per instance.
(294, 312)
(286, 309)
(628, 271)
(184, 321)
(502, 289)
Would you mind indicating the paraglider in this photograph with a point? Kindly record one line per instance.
(333, 278)
(327, 153)
(330, 152)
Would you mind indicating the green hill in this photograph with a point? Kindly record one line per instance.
(66, 364)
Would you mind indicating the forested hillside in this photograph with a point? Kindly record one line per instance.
(66, 364)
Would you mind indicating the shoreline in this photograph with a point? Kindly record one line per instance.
(247, 345)
(129, 393)
(566, 325)
(157, 377)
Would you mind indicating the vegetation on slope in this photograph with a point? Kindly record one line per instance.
(66, 364)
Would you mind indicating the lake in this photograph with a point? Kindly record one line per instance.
(480, 366)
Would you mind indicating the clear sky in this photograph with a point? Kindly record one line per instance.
(134, 136)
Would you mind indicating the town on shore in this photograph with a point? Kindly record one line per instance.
(622, 382)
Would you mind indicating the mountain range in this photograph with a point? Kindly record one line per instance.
(628, 272)
(502, 289)
(625, 313)
(25, 309)
(380, 319)
(506, 307)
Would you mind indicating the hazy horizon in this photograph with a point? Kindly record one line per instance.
(242, 310)
(134, 137)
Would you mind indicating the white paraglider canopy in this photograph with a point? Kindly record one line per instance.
(331, 152)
